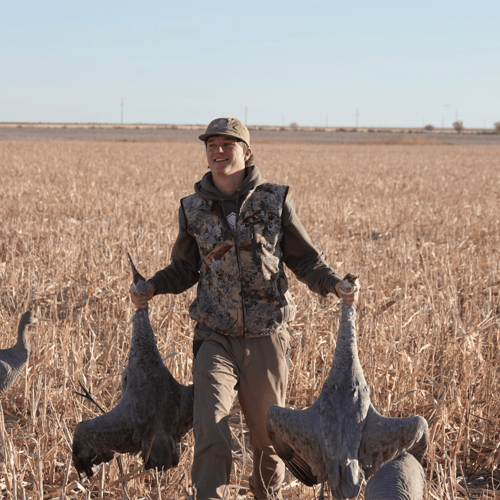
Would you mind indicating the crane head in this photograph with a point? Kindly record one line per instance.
(139, 283)
(135, 273)
(29, 318)
(350, 282)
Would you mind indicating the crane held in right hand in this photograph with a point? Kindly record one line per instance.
(153, 415)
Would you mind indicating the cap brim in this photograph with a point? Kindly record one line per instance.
(204, 137)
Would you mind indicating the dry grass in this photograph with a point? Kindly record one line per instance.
(419, 224)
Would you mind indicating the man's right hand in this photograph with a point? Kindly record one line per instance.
(141, 301)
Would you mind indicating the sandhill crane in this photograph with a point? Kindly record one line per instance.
(13, 360)
(341, 437)
(401, 479)
(154, 412)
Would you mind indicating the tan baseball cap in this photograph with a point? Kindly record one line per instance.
(227, 126)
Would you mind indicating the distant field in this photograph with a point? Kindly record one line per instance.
(279, 134)
(419, 223)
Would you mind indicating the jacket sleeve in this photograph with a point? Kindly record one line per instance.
(302, 258)
(183, 271)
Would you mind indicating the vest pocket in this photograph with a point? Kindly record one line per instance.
(255, 257)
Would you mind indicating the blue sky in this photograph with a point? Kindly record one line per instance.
(275, 62)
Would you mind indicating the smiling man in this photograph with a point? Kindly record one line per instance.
(226, 156)
(236, 234)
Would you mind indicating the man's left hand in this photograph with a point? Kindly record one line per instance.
(349, 297)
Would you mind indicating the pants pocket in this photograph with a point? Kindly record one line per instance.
(286, 347)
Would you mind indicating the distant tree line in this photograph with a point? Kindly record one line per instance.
(459, 126)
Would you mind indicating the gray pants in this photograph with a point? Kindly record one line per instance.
(256, 370)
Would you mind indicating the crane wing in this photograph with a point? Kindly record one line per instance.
(184, 412)
(7, 375)
(295, 439)
(386, 438)
(95, 440)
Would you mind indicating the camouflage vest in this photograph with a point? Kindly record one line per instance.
(243, 290)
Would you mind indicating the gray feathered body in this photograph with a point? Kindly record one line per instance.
(341, 438)
(153, 415)
(14, 359)
(401, 479)
(343, 405)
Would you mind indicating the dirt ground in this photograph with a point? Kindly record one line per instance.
(103, 132)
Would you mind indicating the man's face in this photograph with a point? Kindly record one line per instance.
(225, 155)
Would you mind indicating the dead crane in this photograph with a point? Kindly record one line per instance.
(341, 438)
(154, 412)
(401, 479)
(13, 360)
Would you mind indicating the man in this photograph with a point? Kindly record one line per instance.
(236, 232)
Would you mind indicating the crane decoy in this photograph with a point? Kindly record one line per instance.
(154, 413)
(341, 438)
(14, 359)
(401, 479)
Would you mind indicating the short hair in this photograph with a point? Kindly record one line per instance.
(249, 162)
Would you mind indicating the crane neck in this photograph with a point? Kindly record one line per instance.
(143, 342)
(22, 340)
(345, 364)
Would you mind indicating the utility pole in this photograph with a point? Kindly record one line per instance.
(448, 106)
(357, 114)
(122, 111)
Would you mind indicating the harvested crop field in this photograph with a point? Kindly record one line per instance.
(419, 223)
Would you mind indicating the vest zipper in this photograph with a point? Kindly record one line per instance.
(237, 250)
(237, 244)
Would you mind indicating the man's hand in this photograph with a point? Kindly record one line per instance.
(349, 297)
(141, 301)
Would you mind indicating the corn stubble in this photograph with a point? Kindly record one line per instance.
(418, 223)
